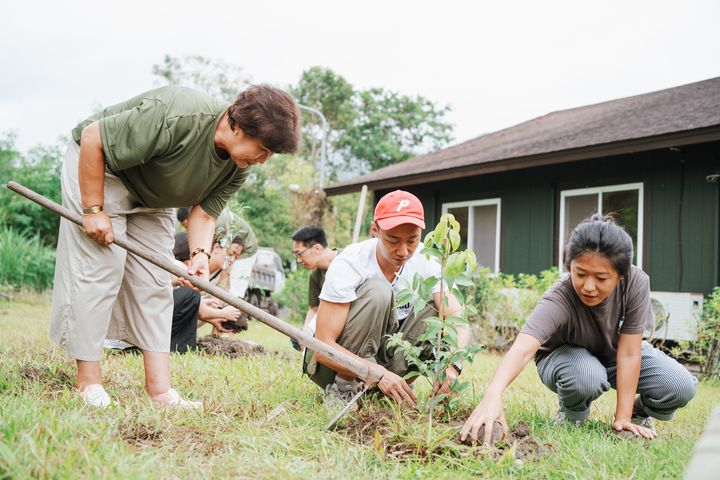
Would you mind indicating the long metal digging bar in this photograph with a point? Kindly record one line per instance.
(339, 357)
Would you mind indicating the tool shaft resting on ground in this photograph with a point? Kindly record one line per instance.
(352, 364)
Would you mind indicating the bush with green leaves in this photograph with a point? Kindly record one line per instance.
(503, 302)
(38, 170)
(456, 269)
(704, 351)
(26, 261)
(294, 295)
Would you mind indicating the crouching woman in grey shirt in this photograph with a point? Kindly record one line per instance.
(586, 334)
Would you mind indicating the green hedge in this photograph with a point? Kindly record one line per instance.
(26, 262)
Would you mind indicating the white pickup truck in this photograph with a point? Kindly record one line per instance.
(255, 278)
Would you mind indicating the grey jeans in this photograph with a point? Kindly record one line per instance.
(579, 378)
(371, 319)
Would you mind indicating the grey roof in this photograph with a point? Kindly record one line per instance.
(634, 123)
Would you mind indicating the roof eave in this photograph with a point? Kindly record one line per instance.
(676, 139)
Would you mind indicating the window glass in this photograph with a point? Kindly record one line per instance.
(485, 234)
(623, 206)
(577, 209)
(461, 215)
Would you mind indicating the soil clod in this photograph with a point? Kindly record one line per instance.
(400, 435)
(230, 347)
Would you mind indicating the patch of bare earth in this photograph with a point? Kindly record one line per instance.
(404, 435)
(56, 379)
(175, 438)
(229, 347)
(218, 345)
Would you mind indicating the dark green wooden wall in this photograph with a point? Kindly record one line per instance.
(681, 210)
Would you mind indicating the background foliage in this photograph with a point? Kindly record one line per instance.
(38, 170)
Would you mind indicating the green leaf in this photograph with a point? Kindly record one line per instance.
(420, 303)
(464, 280)
(428, 242)
(454, 239)
(432, 252)
(415, 281)
(411, 375)
(451, 336)
(455, 265)
(471, 260)
(440, 233)
(403, 297)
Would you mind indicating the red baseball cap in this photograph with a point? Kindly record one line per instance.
(397, 208)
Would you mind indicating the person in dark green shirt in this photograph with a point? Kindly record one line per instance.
(310, 248)
(125, 169)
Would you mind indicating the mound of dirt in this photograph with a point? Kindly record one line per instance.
(395, 436)
(230, 347)
(518, 440)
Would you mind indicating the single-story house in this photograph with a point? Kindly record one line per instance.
(653, 160)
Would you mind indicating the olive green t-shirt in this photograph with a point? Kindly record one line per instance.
(229, 225)
(161, 146)
(315, 284)
(561, 318)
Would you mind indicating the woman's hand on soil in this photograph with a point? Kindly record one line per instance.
(396, 387)
(99, 228)
(637, 430)
(485, 414)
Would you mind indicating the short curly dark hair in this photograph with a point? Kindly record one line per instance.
(268, 114)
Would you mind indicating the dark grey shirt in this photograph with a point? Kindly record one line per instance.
(560, 317)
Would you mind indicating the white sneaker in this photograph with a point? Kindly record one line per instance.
(95, 396)
(171, 398)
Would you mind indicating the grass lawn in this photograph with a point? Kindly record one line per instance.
(47, 433)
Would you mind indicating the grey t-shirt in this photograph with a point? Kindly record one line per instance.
(560, 317)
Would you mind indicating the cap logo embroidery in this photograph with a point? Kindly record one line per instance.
(402, 204)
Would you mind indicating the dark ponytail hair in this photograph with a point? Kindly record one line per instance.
(600, 234)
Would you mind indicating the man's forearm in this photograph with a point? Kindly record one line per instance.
(91, 167)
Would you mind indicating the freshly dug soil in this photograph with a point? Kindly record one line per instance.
(393, 435)
(526, 447)
(230, 347)
(238, 325)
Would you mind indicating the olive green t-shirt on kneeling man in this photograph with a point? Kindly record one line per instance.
(161, 146)
(560, 318)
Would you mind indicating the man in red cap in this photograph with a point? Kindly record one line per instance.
(357, 307)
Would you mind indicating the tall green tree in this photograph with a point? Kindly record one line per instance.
(38, 170)
(212, 76)
(372, 128)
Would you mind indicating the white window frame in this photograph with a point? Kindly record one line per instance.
(599, 191)
(471, 223)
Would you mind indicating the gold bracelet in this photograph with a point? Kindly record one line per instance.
(199, 250)
(92, 210)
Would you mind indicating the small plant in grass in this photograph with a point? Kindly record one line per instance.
(705, 349)
(456, 268)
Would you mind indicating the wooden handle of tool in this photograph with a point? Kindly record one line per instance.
(337, 356)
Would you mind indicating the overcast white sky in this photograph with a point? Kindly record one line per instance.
(497, 63)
